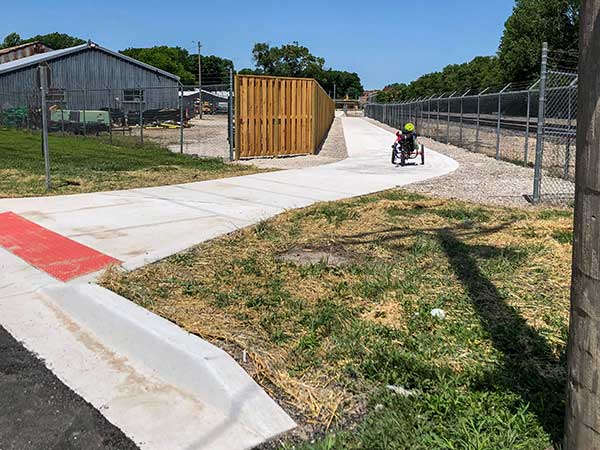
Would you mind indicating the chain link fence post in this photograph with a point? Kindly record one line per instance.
(43, 71)
(499, 124)
(110, 131)
(84, 111)
(230, 114)
(539, 145)
(569, 132)
(142, 121)
(181, 95)
(448, 119)
(526, 151)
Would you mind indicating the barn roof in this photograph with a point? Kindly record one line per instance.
(21, 46)
(48, 56)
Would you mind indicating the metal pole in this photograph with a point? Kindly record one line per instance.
(461, 117)
(180, 118)
(539, 145)
(437, 126)
(43, 90)
(62, 120)
(499, 120)
(526, 154)
(448, 119)
(429, 117)
(84, 111)
(569, 125)
(109, 118)
(141, 120)
(334, 92)
(477, 127)
(200, 78)
(230, 113)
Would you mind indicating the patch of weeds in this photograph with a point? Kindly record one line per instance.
(563, 236)
(314, 270)
(463, 213)
(334, 213)
(264, 230)
(250, 265)
(376, 280)
(423, 245)
(550, 214)
(185, 259)
(395, 211)
(396, 195)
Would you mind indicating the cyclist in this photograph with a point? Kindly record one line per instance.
(407, 136)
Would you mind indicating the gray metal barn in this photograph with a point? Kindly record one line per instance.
(89, 77)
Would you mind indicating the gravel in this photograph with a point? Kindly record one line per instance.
(479, 178)
(206, 137)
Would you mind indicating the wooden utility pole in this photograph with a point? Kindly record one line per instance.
(200, 77)
(582, 418)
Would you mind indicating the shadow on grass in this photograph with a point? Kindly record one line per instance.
(529, 368)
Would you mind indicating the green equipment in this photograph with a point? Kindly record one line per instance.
(78, 121)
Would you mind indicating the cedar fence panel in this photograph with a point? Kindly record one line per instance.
(277, 116)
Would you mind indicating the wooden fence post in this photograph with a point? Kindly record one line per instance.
(582, 418)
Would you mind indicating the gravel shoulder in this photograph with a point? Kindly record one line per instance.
(479, 178)
(332, 150)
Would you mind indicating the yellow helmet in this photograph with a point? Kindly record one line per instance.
(409, 127)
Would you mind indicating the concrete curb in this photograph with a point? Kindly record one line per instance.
(179, 358)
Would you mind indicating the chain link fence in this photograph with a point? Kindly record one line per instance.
(503, 123)
(184, 119)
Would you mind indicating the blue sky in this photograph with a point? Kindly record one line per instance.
(383, 41)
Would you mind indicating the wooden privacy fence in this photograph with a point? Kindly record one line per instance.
(280, 116)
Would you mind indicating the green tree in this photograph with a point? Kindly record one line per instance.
(56, 41)
(215, 70)
(11, 40)
(174, 60)
(295, 60)
(531, 23)
(289, 60)
(481, 72)
(346, 83)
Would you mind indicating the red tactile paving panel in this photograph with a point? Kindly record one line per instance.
(51, 252)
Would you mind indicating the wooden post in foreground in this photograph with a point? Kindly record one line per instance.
(582, 418)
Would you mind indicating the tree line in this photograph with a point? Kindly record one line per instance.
(518, 58)
(290, 60)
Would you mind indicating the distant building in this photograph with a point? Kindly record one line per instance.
(368, 97)
(89, 77)
(22, 51)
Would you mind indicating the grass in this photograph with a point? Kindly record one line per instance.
(329, 341)
(89, 164)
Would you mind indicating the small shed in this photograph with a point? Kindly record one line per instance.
(90, 76)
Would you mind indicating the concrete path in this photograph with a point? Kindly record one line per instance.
(112, 352)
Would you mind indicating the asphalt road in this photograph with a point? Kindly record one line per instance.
(38, 412)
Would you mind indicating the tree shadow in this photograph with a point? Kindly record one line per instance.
(529, 367)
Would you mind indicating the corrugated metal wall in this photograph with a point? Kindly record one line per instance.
(87, 76)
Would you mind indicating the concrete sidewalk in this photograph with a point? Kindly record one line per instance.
(107, 367)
